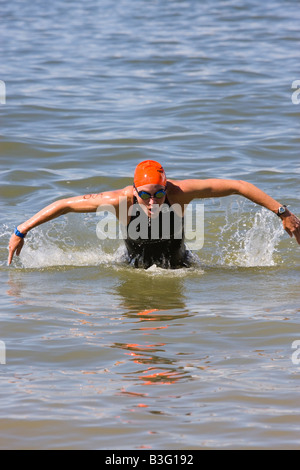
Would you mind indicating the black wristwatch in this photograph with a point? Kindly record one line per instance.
(282, 210)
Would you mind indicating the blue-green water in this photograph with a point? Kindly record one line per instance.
(102, 356)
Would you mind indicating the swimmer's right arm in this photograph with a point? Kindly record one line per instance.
(79, 204)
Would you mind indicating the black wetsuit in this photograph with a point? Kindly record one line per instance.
(158, 241)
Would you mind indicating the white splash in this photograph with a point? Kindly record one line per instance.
(250, 241)
(46, 248)
(246, 240)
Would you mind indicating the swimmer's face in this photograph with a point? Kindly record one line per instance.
(150, 204)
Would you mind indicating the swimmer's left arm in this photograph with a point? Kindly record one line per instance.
(220, 188)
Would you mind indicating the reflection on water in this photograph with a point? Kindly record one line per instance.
(154, 356)
(159, 306)
(147, 355)
(153, 304)
(159, 292)
(151, 355)
(103, 356)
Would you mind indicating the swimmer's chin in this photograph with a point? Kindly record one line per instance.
(153, 213)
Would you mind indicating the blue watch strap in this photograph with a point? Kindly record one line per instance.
(19, 234)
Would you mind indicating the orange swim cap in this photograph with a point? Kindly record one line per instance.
(149, 172)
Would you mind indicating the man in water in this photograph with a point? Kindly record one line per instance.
(151, 195)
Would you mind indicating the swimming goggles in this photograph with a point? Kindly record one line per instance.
(145, 195)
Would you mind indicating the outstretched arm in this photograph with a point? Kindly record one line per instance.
(79, 204)
(219, 188)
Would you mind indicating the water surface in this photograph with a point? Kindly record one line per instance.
(100, 355)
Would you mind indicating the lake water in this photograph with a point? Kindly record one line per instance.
(99, 355)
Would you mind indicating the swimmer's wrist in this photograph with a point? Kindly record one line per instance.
(283, 212)
(20, 233)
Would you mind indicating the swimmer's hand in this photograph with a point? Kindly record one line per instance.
(15, 246)
(291, 225)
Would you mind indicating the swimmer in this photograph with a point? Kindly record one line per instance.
(150, 192)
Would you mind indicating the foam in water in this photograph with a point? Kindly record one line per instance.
(39, 255)
(52, 255)
(243, 241)
(246, 245)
